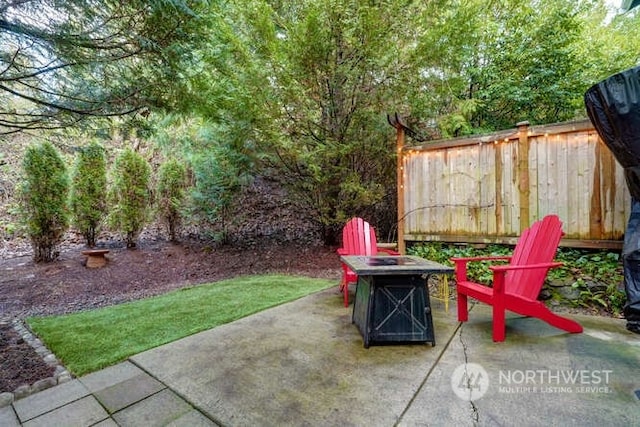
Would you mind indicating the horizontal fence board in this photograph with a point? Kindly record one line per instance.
(489, 188)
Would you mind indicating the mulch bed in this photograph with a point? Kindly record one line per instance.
(19, 362)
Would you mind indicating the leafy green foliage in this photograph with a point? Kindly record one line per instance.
(171, 193)
(66, 61)
(313, 80)
(89, 191)
(218, 158)
(597, 274)
(218, 180)
(43, 196)
(519, 60)
(129, 195)
(537, 78)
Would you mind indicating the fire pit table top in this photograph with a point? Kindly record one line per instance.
(384, 265)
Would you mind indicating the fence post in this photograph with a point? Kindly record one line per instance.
(400, 185)
(524, 190)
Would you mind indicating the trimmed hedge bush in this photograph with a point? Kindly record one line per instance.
(43, 200)
(129, 195)
(89, 192)
(172, 185)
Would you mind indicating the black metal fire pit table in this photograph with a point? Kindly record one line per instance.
(392, 299)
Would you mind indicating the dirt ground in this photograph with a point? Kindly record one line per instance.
(66, 285)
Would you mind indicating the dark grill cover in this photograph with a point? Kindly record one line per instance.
(613, 106)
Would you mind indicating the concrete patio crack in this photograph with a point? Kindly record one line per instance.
(475, 414)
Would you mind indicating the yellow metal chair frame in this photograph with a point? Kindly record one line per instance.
(442, 292)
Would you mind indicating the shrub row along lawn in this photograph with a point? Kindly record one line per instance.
(92, 340)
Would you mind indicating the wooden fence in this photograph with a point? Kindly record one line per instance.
(489, 188)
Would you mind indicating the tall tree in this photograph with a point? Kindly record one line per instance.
(64, 61)
(532, 72)
(314, 80)
(491, 63)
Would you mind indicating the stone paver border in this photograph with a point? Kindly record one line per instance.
(60, 376)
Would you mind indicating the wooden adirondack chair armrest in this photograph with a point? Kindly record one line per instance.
(461, 264)
(505, 268)
(387, 251)
(482, 258)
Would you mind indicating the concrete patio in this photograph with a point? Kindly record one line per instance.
(303, 363)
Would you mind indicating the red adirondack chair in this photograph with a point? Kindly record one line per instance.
(358, 238)
(516, 286)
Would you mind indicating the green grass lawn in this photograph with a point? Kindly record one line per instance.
(91, 340)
